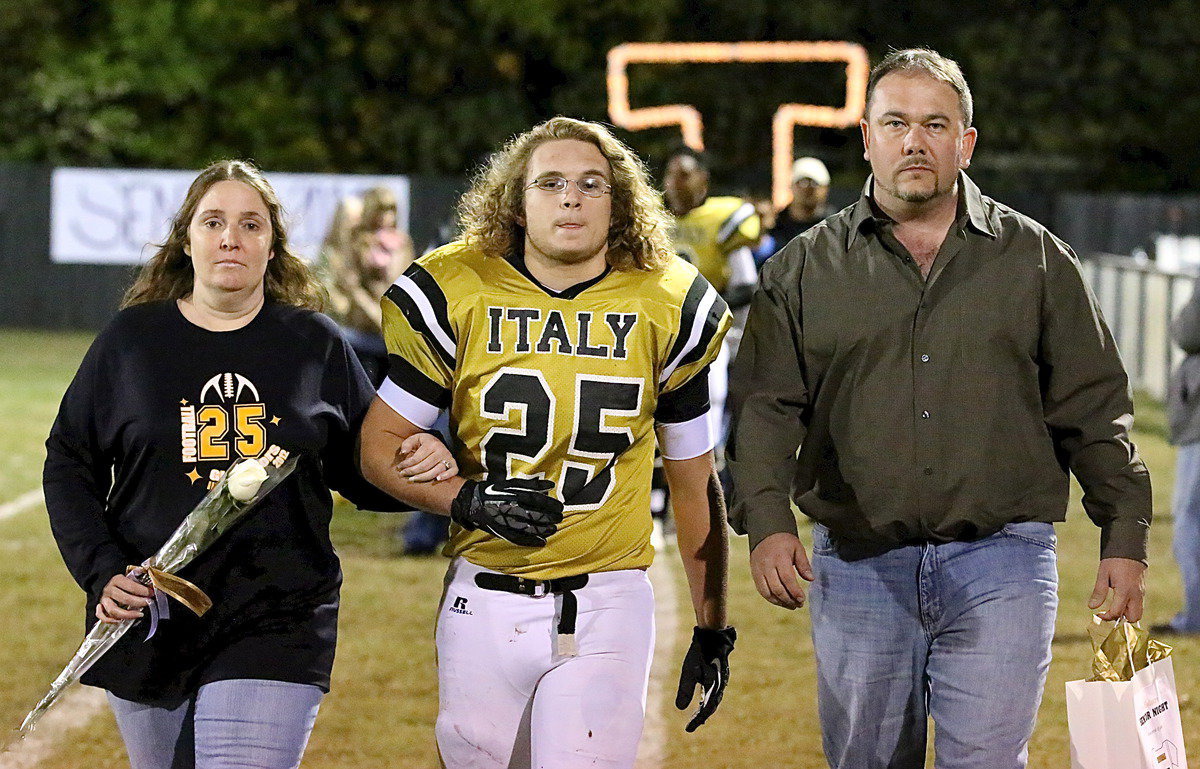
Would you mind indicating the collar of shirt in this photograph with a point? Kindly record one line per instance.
(570, 292)
(971, 211)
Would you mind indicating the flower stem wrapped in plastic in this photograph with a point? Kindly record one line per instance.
(234, 495)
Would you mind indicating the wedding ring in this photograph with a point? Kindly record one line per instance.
(446, 462)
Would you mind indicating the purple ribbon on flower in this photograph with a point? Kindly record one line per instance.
(159, 609)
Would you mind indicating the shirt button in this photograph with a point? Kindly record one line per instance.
(929, 471)
(924, 415)
(924, 358)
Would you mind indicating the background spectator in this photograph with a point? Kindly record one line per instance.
(810, 191)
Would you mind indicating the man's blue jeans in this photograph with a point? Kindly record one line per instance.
(1185, 507)
(958, 631)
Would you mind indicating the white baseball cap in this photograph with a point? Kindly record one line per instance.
(810, 168)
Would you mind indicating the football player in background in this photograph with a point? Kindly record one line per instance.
(713, 233)
(563, 334)
(716, 234)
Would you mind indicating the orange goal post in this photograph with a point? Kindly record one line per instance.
(787, 117)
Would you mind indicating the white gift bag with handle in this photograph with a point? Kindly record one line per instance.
(1127, 724)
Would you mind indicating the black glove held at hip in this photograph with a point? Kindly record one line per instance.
(514, 509)
(706, 664)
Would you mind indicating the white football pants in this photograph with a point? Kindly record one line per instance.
(508, 701)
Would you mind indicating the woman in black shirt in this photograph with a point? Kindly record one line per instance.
(216, 357)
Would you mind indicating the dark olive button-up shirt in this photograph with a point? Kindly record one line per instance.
(931, 409)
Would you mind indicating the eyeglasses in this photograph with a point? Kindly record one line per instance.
(591, 186)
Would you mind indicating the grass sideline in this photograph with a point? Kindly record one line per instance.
(384, 700)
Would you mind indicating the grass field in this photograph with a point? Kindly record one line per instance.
(384, 698)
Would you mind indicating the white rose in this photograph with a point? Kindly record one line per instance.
(244, 479)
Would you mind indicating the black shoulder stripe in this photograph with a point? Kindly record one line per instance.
(685, 402)
(422, 320)
(409, 378)
(712, 322)
(687, 315)
(730, 225)
(433, 292)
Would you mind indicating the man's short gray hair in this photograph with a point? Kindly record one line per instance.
(931, 63)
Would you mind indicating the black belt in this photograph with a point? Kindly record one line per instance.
(537, 587)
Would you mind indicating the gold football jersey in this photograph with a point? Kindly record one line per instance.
(706, 235)
(566, 387)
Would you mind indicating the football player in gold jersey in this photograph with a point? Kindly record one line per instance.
(713, 233)
(567, 341)
(716, 234)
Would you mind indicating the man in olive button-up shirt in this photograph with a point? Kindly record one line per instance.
(940, 365)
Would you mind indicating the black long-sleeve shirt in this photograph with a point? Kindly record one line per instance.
(157, 407)
(931, 409)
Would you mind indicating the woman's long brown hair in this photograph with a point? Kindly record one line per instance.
(169, 274)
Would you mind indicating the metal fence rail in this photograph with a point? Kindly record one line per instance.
(1138, 301)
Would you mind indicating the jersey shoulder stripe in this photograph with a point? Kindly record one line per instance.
(711, 323)
(423, 303)
(685, 402)
(700, 318)
(416, 383)
(734, 221)
(691, 302)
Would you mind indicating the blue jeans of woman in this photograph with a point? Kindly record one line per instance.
(1185, 507)
(958, 631)
(242, 723)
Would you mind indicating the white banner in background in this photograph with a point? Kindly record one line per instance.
(109, 216)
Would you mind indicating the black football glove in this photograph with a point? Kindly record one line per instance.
(514, 509)
(706, 664)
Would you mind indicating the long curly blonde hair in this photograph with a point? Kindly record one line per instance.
(169, 274)
(638, 234)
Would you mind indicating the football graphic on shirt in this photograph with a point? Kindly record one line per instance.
(228, 387)
(228, 421)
